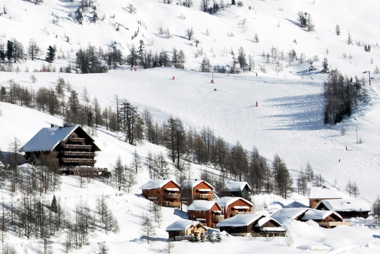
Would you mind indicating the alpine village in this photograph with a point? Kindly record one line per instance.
(187, 126)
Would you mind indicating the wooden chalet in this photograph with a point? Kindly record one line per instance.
(234, 205)
(162, 192)
(347, 208)
(196, 190)
(237, 189)
(207, 212)
(326, 219)
(68, 147)
(186, 230)
(253, 224)
(317, 194)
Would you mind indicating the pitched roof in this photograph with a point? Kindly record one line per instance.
(296, 204)
(202, 205)
(322, 192)
(182, 225)
(156, 184)
(286, 215)
(193, 183)
(264, 220)
(240, 220)
(226, 201)
(235, 186)
(314, 214)
(48, 138)
(345, 205)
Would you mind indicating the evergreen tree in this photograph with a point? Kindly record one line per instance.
(50, 56)
(282, 178)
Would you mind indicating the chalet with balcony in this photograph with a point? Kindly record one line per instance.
(186, 230)
(326, 219)
(162, 192)
(347, 208)
(207, 212)
(237, 189)
(196, 190)
(317, 194)
(66, 147)
(252, 224)
(234, 205)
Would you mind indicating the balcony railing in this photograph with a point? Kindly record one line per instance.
(203, 196)
(172, 196)
(171, 204)
(333, 224)
(217, 218)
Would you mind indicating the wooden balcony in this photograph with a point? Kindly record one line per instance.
(217, 218)
(172, 196)
(203, 197)
(171, 204)
(332, 224)
(79, 153)
(77, 140)
(81, 161)
(238, 212)
(79, 147)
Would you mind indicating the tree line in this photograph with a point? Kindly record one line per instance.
(35, 215)
(342, 95)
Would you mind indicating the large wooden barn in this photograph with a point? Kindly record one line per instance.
(68, 147)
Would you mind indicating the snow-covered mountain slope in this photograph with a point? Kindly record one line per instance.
(287, 122)
(233, 27)
(279, 125)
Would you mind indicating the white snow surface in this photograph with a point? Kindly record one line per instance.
(224, 202)
(181, 225)
(322, 192)
(155, 184)
(201, 205)
(286, 215)
(346, 205)
(313, 214)
(193, 183)
(240, 220)
(48, 138)
(287, 121)
(236, 185)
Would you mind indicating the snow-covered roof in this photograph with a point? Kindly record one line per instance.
(345, 205)
(201, 205)
(313, 214)
(296, 204)
(322, 192)
(240, 220)
(48, 138)
(286, 215)
(155, 184)
(192, 183)
(226, 201)
(182, 225)
(264, 220)
(235, 186)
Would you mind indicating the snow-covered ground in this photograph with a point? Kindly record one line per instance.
(287, 121)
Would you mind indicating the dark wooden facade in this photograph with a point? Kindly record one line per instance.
(72, 147)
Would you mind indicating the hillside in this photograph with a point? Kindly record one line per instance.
(288, 120)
